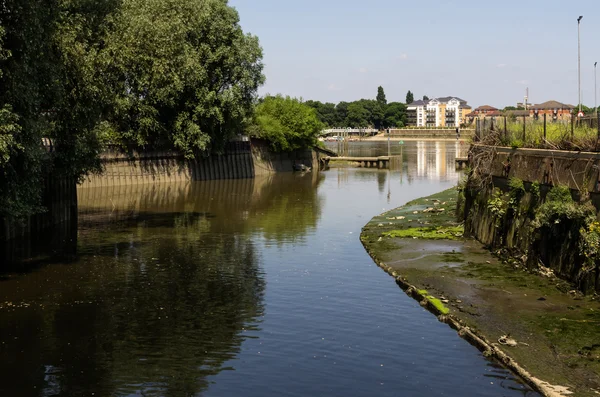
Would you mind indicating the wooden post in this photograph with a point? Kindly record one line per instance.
(544, 126)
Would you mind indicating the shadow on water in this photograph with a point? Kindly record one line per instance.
(166, 287)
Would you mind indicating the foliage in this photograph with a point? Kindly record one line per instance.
(497, 205)
(395, 115)
(358, 115)
(174, 73)
(410, 98)
(51, 87)
(517, 190)
(560, 207)
(286, 122)
(184, 72)
(326, 112)
(381, 100)
(425, 98)
(375, 113)
(558, 134)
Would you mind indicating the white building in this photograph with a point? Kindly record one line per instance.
(438, 112)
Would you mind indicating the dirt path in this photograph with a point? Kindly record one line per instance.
(551, 333)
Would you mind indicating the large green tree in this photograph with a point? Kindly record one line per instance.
(173, 73)
(51, 86)
(287, 123)
(186, 74)
(358, 115)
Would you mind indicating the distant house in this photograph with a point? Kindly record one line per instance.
(438, 112)
(485, 110)
(553, 110)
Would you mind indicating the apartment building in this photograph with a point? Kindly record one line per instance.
(438, 112)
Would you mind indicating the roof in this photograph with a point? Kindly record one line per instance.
(418, 103)
(445, 99)
(552, 105)
(465, 106)
(486, 107)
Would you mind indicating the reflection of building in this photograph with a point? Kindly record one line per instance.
(434, 160)
(438, 112)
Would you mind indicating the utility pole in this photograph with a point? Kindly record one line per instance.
(579, 57)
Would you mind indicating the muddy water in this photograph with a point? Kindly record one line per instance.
(237, 288)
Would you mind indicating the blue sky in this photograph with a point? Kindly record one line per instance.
(484, 52)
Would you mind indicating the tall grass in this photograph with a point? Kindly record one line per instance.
(558, 135)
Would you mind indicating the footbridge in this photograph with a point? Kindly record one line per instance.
(349, 131)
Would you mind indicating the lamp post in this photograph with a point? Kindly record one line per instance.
(579, 58)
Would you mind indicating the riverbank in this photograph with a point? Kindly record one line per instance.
(536, 325)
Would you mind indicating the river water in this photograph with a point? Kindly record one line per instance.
(238, 288)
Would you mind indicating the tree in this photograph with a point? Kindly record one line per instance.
(185, 74)
(51, 86)
(395, 115)
(409, 97)
(325, 112)
(341, 114)
(381, 97)
(358, 115)
(425, 98)
(287, 123)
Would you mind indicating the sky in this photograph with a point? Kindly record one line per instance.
(485, 52)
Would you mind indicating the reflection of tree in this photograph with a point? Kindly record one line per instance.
(166, 284)
(286, 208)
(153, 307)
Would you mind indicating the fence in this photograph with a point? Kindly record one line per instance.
(581, 134)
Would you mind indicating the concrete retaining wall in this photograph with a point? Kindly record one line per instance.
(557, 246)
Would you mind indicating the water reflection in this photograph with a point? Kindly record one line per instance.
(238, 287)
(166, 287)
(429, 160)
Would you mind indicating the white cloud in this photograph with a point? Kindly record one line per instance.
(363, 70)
(501, 65)
(402, 56)
(332, 87)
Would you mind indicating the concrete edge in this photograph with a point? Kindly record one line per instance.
(473, 337)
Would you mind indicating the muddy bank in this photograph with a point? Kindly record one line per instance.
(551, 333)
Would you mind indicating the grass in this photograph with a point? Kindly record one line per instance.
(558, 135)
(429, 233)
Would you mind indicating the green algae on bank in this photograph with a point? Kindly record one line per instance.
(557, 330)
(429, 233)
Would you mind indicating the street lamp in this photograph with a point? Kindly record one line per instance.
(579, 58)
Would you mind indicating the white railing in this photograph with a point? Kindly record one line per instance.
(349, 131)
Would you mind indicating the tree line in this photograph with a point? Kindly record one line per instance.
(376, 113)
